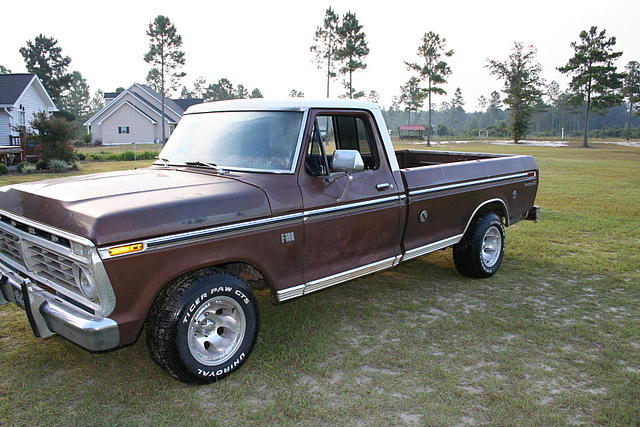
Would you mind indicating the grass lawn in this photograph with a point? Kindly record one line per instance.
(552, 339)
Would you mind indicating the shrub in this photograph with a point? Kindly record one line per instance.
(57, 165)
(81, 156)
(3, 169)
(41, 164)
(27, 168)
(53, 137)
(86, 139)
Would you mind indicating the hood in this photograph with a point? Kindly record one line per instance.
(130, 205)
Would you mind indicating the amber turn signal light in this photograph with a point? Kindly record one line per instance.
(121, 250)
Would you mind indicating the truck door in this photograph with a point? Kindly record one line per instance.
(357, 228)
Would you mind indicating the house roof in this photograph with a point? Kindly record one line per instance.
(110, 95)
(167, 101)
(411, 127)
(187, 102)
(12, 86)
(144, 94)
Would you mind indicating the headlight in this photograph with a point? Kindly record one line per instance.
(84, 282)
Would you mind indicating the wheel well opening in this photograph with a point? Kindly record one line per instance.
(248, 273)
(496, 207)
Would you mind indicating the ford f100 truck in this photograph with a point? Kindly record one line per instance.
(295, 195)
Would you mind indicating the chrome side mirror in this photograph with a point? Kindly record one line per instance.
(347, 161)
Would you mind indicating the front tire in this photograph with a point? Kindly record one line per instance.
(203, 326)
(479, 254)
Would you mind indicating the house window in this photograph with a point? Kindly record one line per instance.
(22, 117)
(123, 129)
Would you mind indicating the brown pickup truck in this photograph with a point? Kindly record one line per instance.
(297, 195)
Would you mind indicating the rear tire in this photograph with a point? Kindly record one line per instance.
(203, 326)
(479, 254)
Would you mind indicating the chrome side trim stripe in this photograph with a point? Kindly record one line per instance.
(325, 282)
(188, 236)
(207, 232)
(351, 206)
(431, 247)
(470, 183)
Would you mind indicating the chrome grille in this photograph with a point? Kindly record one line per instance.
(51, 266)
(9, 247)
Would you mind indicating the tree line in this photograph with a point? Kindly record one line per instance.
(527, 103)
(596, 85)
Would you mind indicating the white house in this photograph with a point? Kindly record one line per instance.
(22, 96)
(135, 116)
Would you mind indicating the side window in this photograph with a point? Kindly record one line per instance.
(340, 132)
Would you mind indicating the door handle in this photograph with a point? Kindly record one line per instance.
(383, 186)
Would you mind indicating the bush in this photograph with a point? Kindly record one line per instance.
(27, 168)
(3, 169)
(53, 137)
(41, 164)
(57, 165)
(80, 156)
(86, 139)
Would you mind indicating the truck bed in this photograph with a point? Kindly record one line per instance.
(416, 158)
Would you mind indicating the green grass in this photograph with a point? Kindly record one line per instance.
(552, 339)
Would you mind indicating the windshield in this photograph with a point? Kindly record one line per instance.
(242, 140)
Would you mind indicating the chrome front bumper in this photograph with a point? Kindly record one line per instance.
(48, 317)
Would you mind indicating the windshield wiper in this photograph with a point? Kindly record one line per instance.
(165, 162)
(213, 166)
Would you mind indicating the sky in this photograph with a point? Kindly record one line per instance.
(265, 44)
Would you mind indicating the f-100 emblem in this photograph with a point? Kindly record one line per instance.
(288, 237)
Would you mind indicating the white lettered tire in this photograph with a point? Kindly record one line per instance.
(203, 326)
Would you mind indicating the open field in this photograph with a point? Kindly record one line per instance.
(552, 339)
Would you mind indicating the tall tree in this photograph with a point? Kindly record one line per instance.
(631, 90)
(4, 70)
(256, 93)
(433, 69)
(351, 51)
(165, 57)
(96, 103)
(220, 91)
(595, 80)
(241, 92)
(76, 99)
(296, 93)
(521, 73)
(44, 58)
(326, 39)
(483, 103)
(373, 97)
(457, 113)
(412, 95)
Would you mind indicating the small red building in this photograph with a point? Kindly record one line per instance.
(411, 131)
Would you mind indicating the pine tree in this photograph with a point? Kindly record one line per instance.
(595, 80)
(434, 70)
(326, 39)
(165, 57)
(44, 58)
(220, 91)
(351, 51)
(373, 97)
(296, 93)
(412, 95)
(521, 73)
(4, 70)
(631, 90)
(241, 92)
(256, 93)
(76, 99)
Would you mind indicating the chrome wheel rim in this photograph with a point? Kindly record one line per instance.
(491, 246)
(216, 330)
